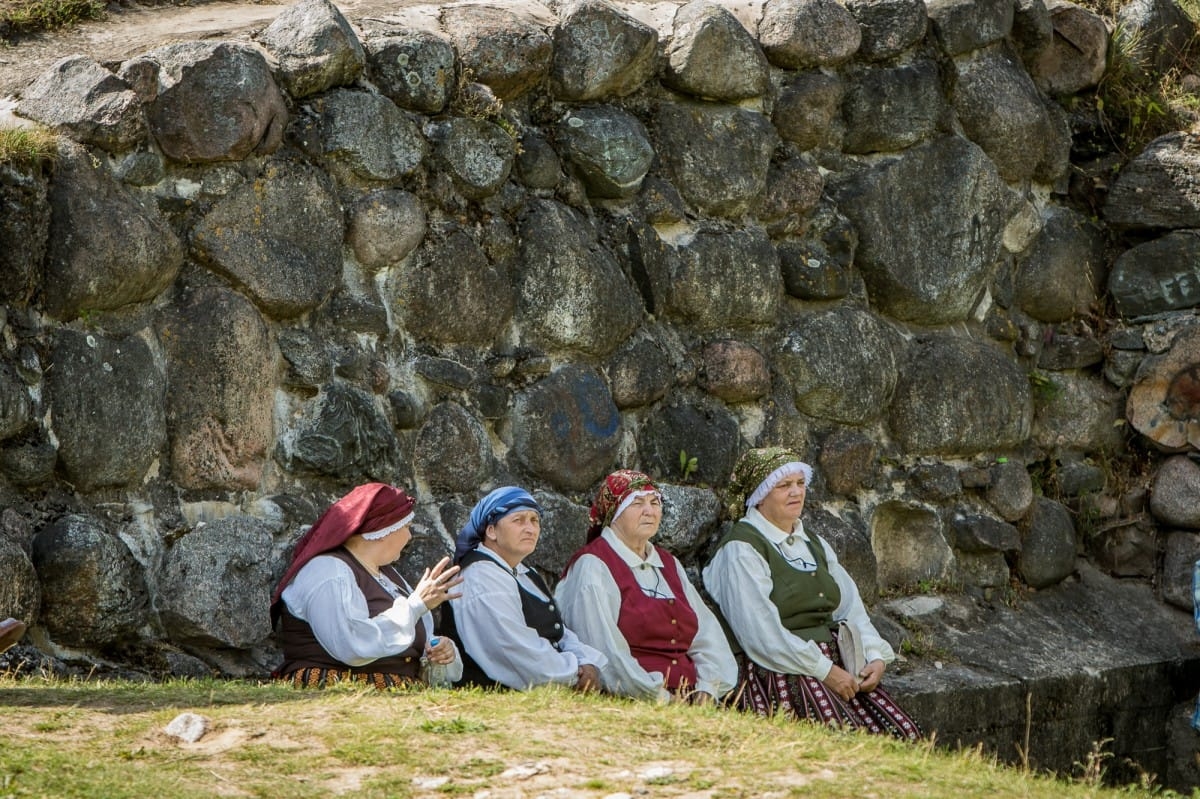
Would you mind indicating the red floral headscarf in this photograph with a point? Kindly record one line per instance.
(613, 491)
(366, 509)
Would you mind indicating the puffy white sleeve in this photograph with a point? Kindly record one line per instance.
(716, 668)
(852, 610)
(740, 581)
(591, 603)
(491, 626)
(325, 594)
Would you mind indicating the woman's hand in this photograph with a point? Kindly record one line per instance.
(588, 679)
(871, 674)
(442, 652)
(435, 584)
(841, 683)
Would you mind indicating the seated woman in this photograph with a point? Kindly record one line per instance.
(511, 630)
(343, 612)
(632, 600)
(781, 592)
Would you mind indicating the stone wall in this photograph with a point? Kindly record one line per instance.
(467, 245)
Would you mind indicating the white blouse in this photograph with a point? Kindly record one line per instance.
(325, 594)
(591, 603)
(491, 625)
(739, 579)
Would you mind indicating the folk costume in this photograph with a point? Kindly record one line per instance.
(785, 654)
(335, 620)
(510, 628)
(642, 613)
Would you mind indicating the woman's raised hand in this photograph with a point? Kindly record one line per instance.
(435, 584)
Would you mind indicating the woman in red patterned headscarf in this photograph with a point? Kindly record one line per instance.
(632, 600)
(343, 611)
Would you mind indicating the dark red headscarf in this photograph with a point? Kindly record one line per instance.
(368, 508)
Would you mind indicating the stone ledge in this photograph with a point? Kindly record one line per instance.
(1092, 675)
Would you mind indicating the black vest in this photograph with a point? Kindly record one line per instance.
(539, 614)
(301, 650)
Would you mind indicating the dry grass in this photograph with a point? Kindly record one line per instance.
(74, 739)
(30, 16)
(27, 145)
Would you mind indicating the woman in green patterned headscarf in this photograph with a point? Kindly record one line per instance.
(804, 641)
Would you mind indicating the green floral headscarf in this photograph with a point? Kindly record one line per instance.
(753, 468)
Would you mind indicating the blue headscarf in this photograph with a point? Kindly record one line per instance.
(489, 510)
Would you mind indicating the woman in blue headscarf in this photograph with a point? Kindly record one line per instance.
(510, 628)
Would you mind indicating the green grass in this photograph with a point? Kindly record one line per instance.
(87, 739)
(27, 145)
(31, 16)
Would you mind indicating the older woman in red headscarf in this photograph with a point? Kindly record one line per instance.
(632, 600)
(343, 611)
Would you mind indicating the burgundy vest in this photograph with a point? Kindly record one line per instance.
(659, 631)
(301, 650)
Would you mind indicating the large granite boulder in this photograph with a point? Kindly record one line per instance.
(1156, 276)
(215, 101)
(1175, 497)
(343, 434)
(892, 108)
(478, 155)
(640, 372)
(956, 396)
(215, 584)
(385, 226)
(316, 48)
(930, 225)
(600, 52)
(1047, 544)
(1026, 135)
(609, 147)
(1077, 412)
(93, 591)
(362, 133)
(571, 292)
(280, 237)
(802, 34)
(1158, 188)
(502, 49)
(889, 27)
(965, 25)
(808, 110)
(218, 352)
(108, 247)
(712, 56)
(565, 428)
(452, 454)
(711, 280)
(450, 292)
(910, 544)
(696, 425)
(107, 399)
(20, 592)
(24, 230)
(1059, 277)
(1076, 56)
(88, 103)
(416, 69)
(717, 155)
(841, 365)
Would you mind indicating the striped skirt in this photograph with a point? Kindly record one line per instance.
(767, 692)
(322, 678)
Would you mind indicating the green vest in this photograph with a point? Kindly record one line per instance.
(805, 600)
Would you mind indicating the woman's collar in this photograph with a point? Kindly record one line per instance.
(631, 558)
(769, 530)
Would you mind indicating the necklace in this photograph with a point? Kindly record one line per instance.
(653, 591)
(799, 563)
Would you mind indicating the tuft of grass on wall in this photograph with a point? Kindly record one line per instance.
(27, 145)
(1135, 104)
(31, 16)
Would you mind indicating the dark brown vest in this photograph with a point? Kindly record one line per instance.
(301, 650)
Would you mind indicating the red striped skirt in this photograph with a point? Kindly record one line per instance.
(767, 692)
(321, 678)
